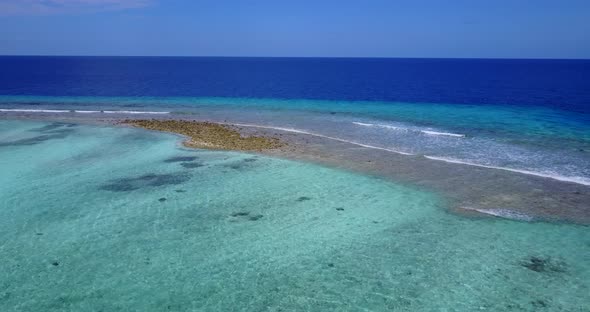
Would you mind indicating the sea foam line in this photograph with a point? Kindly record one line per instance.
(578, 180)
(503, 213)
(428, 132)
(135, 112)
(34, 110)
(18, 110)
(442, 133)
(379, 125)
(322, 136)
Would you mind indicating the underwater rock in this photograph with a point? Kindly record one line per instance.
(240, 214)
(38, 139)
(303, 198)
(543, 265)
(190, 165)
(243, 215)
(255, 217)
(55, 263)
(539, 303)
(180, 159)
(163, 199)
(146, 180)
(340, 209)
(331, 265)
(235, 166)
(48, 127)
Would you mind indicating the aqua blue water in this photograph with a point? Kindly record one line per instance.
(118, 219)
(543, 141)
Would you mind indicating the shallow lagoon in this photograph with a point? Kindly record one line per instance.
(99, 218)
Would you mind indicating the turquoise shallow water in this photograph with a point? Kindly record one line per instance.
(117, 219)
(543, 141)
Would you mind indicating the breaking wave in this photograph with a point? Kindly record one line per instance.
(427, 132)
(18, 110)
(578, 180)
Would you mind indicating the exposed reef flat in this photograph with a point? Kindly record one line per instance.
(209, 135)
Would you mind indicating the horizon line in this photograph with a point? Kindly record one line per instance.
(302, 57)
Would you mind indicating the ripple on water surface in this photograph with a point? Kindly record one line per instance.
(117, 219)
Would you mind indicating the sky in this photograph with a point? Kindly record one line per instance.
(306, 28)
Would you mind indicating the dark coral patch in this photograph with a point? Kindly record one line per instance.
(539, 303)
(163, 199)
(541, 265)
(340, 209)
(255, 217)
(48, 127)
(190, 165)
(146, 180)
(56, 134)
(240, 214)
(235, 166)
(180, 159)
(303, 198)
(242, 165)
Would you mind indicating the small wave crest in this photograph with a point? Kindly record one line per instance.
(379, 125)
(428, 132)
(503, 213)
(363, 124)
(34, 110)
(578, 180)
(18, 110)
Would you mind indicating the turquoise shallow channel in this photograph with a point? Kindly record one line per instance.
(117, 219)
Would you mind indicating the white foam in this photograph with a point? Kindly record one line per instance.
(429, 132)
(578, 180)
(323, 136)
(18, 110)
(379, 125)
(503, 213)
(135, 112)
(34, 110)
(362, 124)
(86, 111)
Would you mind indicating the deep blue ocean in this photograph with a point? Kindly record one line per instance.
(527, 115)
(563, 84)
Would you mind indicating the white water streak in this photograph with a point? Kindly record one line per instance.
(578, 180)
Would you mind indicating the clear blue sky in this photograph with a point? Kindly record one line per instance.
(361, 28)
